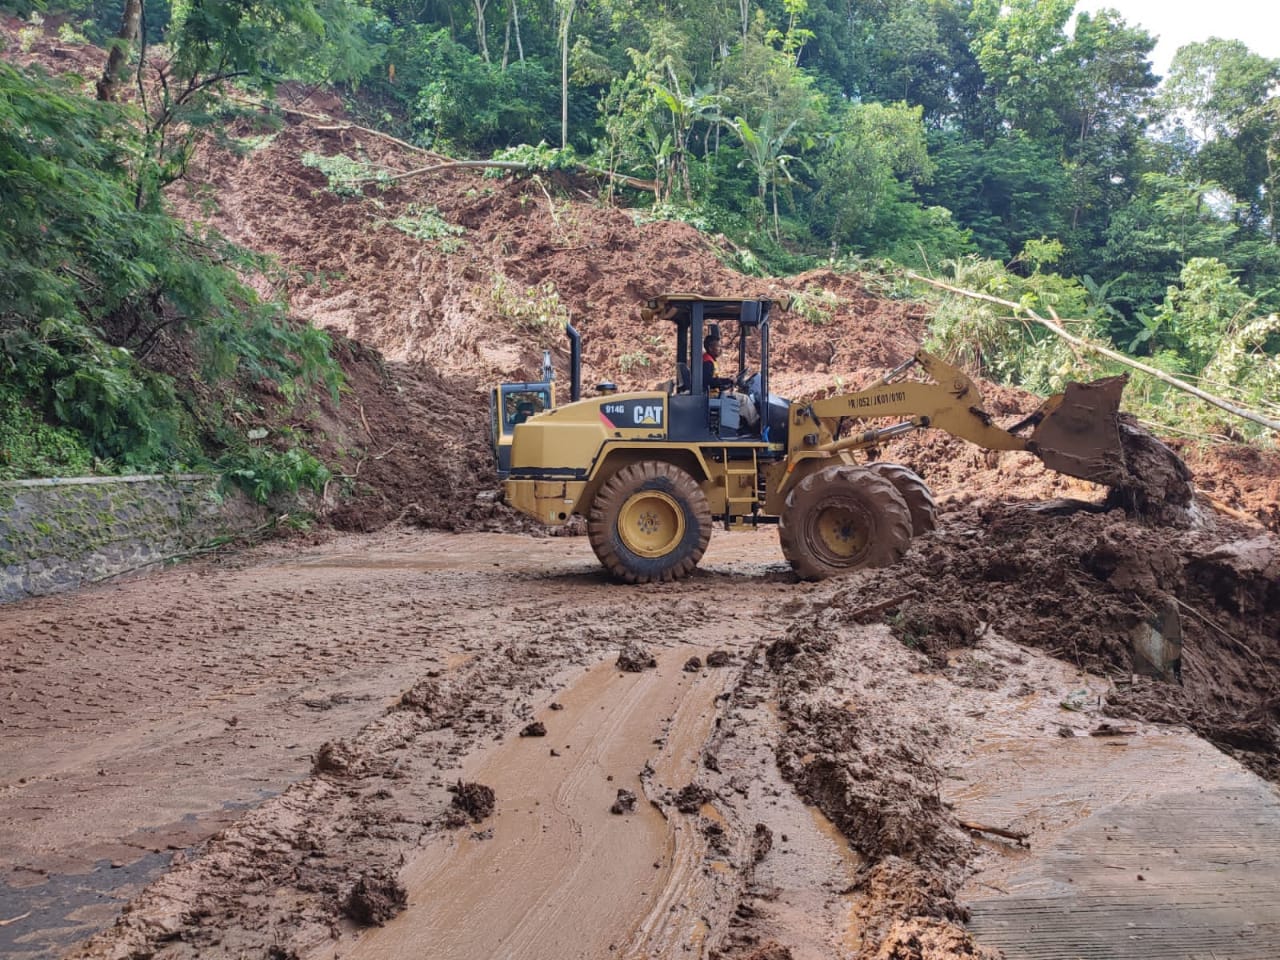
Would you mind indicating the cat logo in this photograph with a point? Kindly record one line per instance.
(632, 414)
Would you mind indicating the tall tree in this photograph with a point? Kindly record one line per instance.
(130, 28)
(1222, 93)
(1019, 45)
(564, 14)
(864, 172)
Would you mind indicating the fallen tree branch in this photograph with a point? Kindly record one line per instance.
(1107, 352)
(1017, 836)
(341, 127)
(507, 165)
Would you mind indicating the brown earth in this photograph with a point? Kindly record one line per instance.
(312, 748)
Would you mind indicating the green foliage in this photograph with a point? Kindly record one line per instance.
(425, 223)
(988, 340)
(30, 447)
(1248, 361)
(629, 361)
(465, 103)
(864, 198)
(265, 473)
(537, 310)
(540, 159)
(346, 176)
(813, 303)
(1004, 193)
(1197, 313)
(94, 286)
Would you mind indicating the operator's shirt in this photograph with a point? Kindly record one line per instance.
(708, 372)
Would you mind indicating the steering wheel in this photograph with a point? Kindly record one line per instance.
(743, 380)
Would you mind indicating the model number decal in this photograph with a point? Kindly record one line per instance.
(877, 399)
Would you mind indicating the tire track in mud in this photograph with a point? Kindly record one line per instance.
(281, 878)
(852, 717)
(555, 873)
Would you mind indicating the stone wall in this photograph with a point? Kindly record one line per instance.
(60, 534)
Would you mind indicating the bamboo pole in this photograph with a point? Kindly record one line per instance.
(1071, 338)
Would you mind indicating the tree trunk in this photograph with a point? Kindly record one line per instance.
(506, 41)
(777, 233)
(515, 18)
(110, 81)
(482, 39)
(566, 17)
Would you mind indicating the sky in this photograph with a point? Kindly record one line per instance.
(1178, 22)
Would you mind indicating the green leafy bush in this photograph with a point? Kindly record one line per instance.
(344, 175)
(31, 447)
(423, 222)
(265, 473)
(96, 290)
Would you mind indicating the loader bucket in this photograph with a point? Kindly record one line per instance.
(1080, 433)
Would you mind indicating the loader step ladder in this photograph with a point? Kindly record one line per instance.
(741, 478)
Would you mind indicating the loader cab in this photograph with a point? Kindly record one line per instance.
(701, 413)
(511, 404)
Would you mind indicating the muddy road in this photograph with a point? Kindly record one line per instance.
(463, 746)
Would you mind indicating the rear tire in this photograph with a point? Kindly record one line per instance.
(919, 498)
(649, 522)
(841, 519)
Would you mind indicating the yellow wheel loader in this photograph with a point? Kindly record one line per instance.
(652, 471)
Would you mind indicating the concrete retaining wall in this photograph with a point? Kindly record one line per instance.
(60, 534)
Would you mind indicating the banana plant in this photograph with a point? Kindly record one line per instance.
(765, 152)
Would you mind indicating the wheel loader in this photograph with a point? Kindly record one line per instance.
(652, 471)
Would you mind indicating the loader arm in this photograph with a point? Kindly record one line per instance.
(1076, 432)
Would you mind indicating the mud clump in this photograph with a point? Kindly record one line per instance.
(879, 804)
(691, 797)
(769, 951)
(934, 628)
(918, 939)
(692, 665)
(1157, 484)
(535, 729)
(375, 899)
(424, 696)
(634, 658)
(337, 757)
(625, 803)
(1078, 585)
(474, 800)
(761, 842)
(911, 914)
(719, 658)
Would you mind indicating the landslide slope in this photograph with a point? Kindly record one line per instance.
(463, 278)
(447, 281)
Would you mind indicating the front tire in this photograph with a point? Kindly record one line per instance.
(649, 522)
(843, 518)
(919, 498)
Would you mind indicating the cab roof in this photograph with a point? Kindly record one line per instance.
(672, 306)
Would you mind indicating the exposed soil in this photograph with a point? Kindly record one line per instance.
(379, 736)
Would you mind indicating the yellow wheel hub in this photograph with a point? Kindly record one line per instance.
(651, 524)
(841, 531)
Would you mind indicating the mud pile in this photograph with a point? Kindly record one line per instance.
(849, 752)
(1076, 580)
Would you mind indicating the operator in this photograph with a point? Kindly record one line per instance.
(710, 354)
